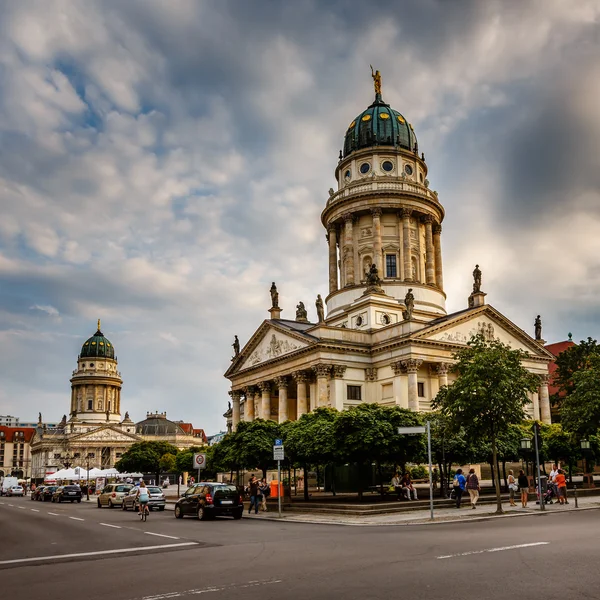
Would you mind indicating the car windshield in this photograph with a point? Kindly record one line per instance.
(122, 488)
(155, 490)
(225, 488)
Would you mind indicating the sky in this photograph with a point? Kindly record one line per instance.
(162, 162)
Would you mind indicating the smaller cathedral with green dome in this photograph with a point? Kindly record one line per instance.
(97, 346)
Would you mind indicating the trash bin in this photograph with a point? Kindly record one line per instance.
(274, 487)
(544, 483)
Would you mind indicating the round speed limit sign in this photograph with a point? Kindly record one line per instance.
(199, 461)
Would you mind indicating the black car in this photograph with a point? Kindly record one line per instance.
(35, 494)
(207, 500)
(67, 493)
(47, 493)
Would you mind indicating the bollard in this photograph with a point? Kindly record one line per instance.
(575, 496)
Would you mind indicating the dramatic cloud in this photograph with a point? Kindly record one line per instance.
(162, 162)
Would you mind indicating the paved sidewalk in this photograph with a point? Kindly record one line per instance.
(418, 517)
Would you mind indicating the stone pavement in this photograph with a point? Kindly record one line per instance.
(419, 517)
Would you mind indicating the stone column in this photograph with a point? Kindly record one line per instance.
(73, 400)
(545, 399)
(412, 366)
(322, 374)
(535, 399)
(377, 257)
(282, 412)
(405, 213)
(235, 409)
(429, 251)
(400, 399)
(249, 404)
(265, 407)
(348, 251)
(301, 403)
(333, 270)
(437, 245)
(336, 392)
(442, 371)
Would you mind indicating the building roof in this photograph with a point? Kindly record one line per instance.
(97, 346)
(9, 433)
(379, 125)
(158, 424)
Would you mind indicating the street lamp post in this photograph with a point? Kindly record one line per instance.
(87, 488)
(585, 448)
(536, 431)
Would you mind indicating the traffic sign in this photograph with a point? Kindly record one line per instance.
(409, 430)
(199, 461)
(278, 453)
(278, 442)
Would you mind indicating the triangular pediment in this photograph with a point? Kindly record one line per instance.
(487, 321)
(269, 342)
(106, 434)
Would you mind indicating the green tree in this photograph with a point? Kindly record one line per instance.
(168, 463)
(569, 362)
(489, 394)
(252, 444)
(145, 457)
(580, 409)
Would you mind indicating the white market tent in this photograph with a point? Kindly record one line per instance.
(80, 474)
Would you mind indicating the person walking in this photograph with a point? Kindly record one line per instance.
(523, 487)
(459, 486)
(253, 483)
(473, 487)
(263, 488)
(561, 484)
(512, 487)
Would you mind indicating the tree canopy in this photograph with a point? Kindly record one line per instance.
(145, 457)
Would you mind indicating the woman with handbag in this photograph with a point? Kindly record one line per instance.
(473, 487)
(512, 487)
(523, 487)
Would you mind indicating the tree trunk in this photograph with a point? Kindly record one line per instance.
(570, 471)
(318, 478)
(332, 479)
(442, 479)
(499, 509)
(380, 474)
(295, 483)
(264, 472)
(360, 484)
(305, 470)
(493, 471)
(504, 475)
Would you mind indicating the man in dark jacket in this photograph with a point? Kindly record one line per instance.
(254, 499)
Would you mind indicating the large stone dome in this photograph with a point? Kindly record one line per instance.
(379, 125)
(97, 346)
(158, 424)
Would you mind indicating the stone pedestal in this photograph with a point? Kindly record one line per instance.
(275, 312)
(477, 299)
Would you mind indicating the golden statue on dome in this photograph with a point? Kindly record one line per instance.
(98, 324)
(376, 75)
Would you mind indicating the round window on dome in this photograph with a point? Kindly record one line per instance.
(384, 116)
(348, 175)
(365, 168)
(408, 169)
(387, 165)
(91, 365)
(359, 321)
(366, 118)
(401, 119)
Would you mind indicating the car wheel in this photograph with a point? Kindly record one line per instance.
(238, 515)
(123, 506)
(202, 513)
(178, 512)
(110, 504)
(99, 505)
(78, 500)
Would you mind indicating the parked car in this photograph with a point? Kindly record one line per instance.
(208, 500)
(35, 494)
(156, 502)
(15, 490)
(67, 493)
(47, 493)
(112, 494)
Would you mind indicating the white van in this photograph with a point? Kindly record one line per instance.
(8, 482)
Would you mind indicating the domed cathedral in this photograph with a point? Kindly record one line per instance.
(382, 334)
(96, 383)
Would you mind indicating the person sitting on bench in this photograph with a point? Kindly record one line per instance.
(408, 488)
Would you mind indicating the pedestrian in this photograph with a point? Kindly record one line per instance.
(473, 487)
(561, 484)
(408, 487)
(523, 487)
(253, 483)
(459, 486)
(263, 488)
(396, 482)
(512, 487)
(435, 477)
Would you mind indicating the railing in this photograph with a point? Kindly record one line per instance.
(374, 186)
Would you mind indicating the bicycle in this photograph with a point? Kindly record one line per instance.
(144, 512)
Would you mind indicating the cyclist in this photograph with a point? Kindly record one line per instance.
(142, 497)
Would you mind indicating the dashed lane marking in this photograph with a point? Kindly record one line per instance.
(76, 519)
(34, 510)
(212, 589)
(172, 537)
(109, 525)
(500, 549)
(54, 514)
(97, 553)
(21, 507)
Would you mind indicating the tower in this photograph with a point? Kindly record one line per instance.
(96, 383)
(384, 214)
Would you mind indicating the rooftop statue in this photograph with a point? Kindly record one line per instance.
(409, 302)
(301, 314)
(538, 327)
(376, 75)
(320, 308)
(274, 296)
(236, 346)
(476, 279)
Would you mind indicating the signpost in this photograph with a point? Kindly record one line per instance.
(415, 431)
(199, 463)
(278, 455)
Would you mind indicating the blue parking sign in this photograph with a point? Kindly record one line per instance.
(278, 442)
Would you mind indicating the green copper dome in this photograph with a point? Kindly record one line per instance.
(97, 346)
(380, 125)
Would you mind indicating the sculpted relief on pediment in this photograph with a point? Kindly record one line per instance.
(272, 346)
(106, 435)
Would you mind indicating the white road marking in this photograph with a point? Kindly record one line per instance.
(54, 514)
(21, 507)
(11, 504)
(211, 589)
(500, 549)
(97, 553)
(172, 537)
(34, 510)
(76, 519)
(109, 525)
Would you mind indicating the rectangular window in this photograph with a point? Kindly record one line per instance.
(421, 390)
(90, 404)
(390, 265)
(354, 392)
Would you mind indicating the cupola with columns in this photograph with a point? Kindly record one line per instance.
(383, 213)
(96, 383)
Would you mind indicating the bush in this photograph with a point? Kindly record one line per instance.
(419, 472)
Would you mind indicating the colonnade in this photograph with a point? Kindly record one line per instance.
(344, 237)
(323, 385)
(103, 393)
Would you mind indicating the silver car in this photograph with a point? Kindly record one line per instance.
(156, 502)
(112, 494)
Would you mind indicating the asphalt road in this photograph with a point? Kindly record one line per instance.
(100, 553)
